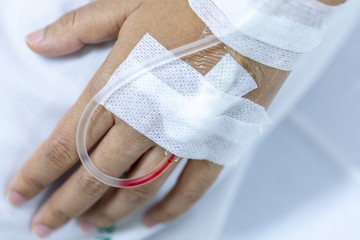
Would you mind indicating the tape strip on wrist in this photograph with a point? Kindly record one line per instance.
(273, 32)
(190, 115)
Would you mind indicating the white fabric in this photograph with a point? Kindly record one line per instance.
(190, 115)
(272, 32)
(37, 91)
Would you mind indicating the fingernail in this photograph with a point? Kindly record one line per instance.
(15, 199)
(36, 36)
(41, 230)
(86, 225)
(148, 222)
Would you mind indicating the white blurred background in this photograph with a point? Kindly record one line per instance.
(304, 179)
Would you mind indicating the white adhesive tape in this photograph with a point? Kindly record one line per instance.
(278, 33)
(191, 115)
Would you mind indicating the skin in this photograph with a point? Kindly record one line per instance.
(333, 2)
(109, 138)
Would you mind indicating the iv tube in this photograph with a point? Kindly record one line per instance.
(157, 61)
(147, 66)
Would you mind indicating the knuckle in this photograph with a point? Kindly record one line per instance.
(96, 84)
(69, 20)
(59, 215)
(189, 196)
(105, 220)
(31, 182)
(203, 181)
(168, 214)
(57, 152)
(101, 117)
(131, 139)
(136, 195)
(89, 185)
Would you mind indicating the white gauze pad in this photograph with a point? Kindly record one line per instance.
(190, 115)
(273, 32)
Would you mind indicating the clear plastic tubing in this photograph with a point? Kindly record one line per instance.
(147, 66)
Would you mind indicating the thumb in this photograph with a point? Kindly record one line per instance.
(96, 22)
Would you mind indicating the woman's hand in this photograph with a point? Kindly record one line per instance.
(114, 145)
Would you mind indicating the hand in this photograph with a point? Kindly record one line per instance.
(114, 145)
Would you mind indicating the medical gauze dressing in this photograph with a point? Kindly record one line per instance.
(189, 114)
(201, 112)
(277, 32)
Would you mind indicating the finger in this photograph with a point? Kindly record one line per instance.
(55, 155)
(58, 153)
(196, 178)
(120, 147)
(122, 202)
(96, 22)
